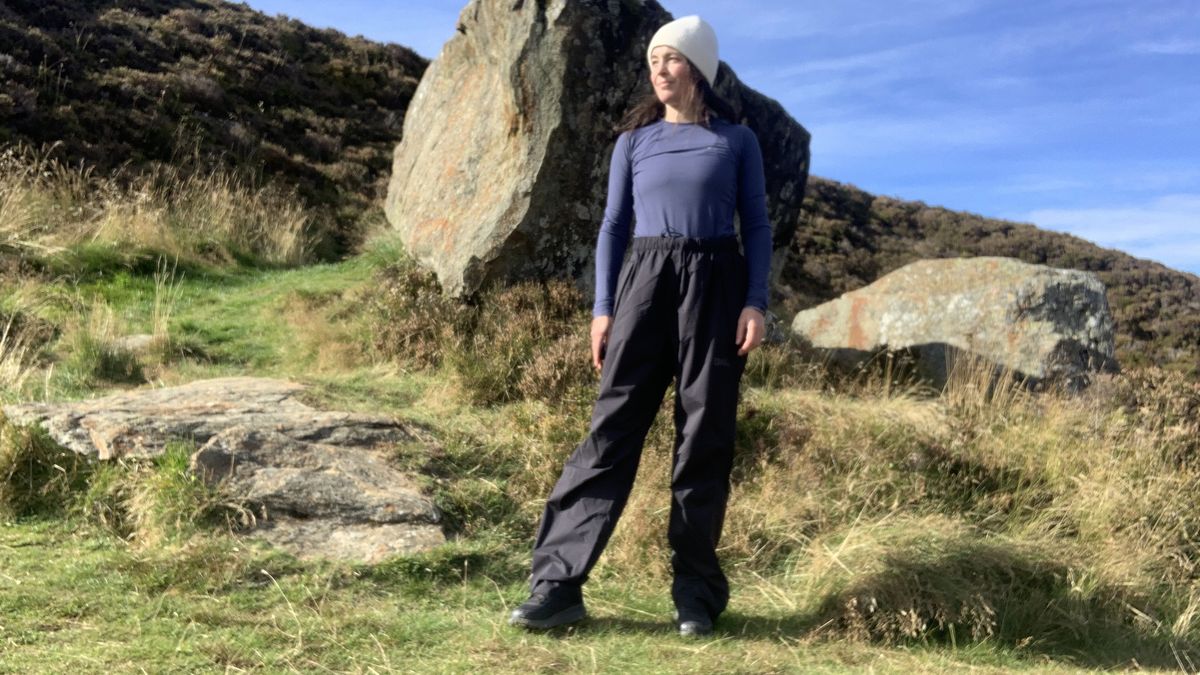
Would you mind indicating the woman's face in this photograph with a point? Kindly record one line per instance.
(671, 75)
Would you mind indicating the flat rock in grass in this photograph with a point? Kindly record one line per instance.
(140, 423)
(1040, 322)
(368, 543)
(320, 499)
(138, 344)
(322, 479)
(310, 480)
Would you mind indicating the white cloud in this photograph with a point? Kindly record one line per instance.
(871, 61)
(1182, 256)
(1166, 229)
(1041, 183)
(1174, 47)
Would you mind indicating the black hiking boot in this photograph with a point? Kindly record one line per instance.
(544, 610)
(693, 622)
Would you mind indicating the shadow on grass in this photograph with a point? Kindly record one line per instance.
(730, 625)
(594, 625)
(92, 261)
(955, 592)
(959, 485)
(748, 626)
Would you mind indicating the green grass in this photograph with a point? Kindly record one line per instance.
(251, 610)
(246, 325)
(870, 529)
(222, 322)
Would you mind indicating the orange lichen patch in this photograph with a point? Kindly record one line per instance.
(858, 339)
(821, 326)
(431, 233)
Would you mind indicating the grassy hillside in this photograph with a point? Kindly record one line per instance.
(129, 85)
(873, 525)
(125, 85)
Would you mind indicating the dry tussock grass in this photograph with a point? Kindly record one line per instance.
(528, 341)
(1069, 507)
(935, 578)
(37, 196)
(24, 333)
(158, 501)
(508, 332)
(323, 340)
(95, 353)
(36, 474)
(17, 359)
(179, 211)
(411, 322)
(560, 367)
(989, 512)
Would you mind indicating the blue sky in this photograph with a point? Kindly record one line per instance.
(1081, 116)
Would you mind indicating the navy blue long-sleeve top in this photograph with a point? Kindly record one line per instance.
(685, 180)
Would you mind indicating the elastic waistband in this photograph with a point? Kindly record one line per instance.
(685, 244)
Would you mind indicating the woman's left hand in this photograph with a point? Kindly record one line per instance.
(751, 328)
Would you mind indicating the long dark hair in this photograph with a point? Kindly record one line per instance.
(703, 105)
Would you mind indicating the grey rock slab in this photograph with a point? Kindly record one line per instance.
(139, 344)
(321, 479)
(320, 500)
(502, 169)
(281, 473)
(1038, 321)
(368, 543)
(141, 422)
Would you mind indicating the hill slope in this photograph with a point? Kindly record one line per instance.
(124, 84)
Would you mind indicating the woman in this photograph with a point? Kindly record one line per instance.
(686, 306)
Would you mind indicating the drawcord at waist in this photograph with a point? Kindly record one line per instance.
(685, 244)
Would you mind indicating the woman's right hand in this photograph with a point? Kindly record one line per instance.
(601, 325)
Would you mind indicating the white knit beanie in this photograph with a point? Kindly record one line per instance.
(694, 38)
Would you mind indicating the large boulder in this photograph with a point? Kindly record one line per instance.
(1039, 322)
(502, 170)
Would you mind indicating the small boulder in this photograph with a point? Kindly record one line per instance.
(139, 344)
(1040, 322)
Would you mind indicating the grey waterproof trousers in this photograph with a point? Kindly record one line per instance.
(675, 316)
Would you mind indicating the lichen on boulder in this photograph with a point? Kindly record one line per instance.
(1039, 322)
(502, 170)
